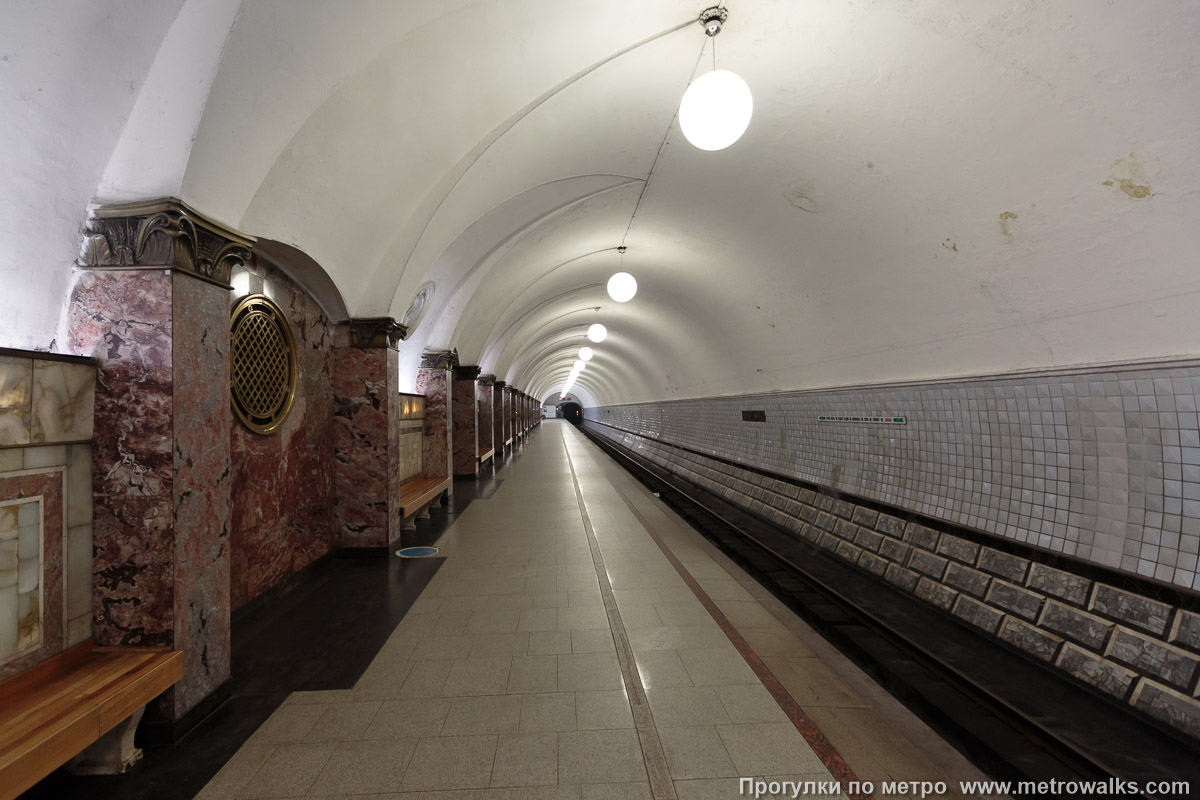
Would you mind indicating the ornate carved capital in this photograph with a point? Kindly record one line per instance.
(376, 332)
(466, 372)
(163, 234)
(439, 359)
(488, 380)
(501, 385)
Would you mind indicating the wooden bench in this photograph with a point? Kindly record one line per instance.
(55, 711)
(417, 495)
(486, 455)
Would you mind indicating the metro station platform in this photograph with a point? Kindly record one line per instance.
(579, 640)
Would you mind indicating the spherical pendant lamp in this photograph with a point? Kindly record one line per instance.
(716, 110)
(622, 287)
(585, 354)
(597, 333)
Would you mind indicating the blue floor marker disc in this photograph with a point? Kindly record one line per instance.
(417, 552)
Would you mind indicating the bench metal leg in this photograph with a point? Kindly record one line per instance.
(112, 753)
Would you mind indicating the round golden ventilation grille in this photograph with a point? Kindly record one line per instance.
(262, 364)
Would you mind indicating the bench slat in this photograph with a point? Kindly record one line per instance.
(33, 759)
(45, 705)
(79, 700)
(149, 682)
(417, 493)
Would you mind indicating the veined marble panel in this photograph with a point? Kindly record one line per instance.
(64, 396)
(16, 390)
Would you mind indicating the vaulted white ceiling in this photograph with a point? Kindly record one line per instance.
(927, 189)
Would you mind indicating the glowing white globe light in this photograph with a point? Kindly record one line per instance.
(579, 365)
(585, 354)
(716, 110)
(622, 287)
(597, 333)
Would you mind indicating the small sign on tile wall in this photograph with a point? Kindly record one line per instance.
(754, 416)
(883, 420)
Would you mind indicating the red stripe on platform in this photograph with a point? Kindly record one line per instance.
(821, 746)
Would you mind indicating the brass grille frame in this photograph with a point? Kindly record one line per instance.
(263, 368)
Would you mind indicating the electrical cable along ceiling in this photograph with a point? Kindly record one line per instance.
(919, 190)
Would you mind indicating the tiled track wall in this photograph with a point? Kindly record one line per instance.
(988, 502)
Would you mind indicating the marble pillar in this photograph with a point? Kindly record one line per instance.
(506, 411)
(484, 392)
(466, 421)
(152, 306)
(366, 441)
(435, 380)
(498, 436)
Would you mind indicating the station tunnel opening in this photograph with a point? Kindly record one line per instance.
(571, 412)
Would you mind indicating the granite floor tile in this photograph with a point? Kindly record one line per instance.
(718, 666)
(696, 752)
(538, 619)
(289, 771)
(526, 760)
(541, 713)
(236, 772)
(617, 791)
(602, 710)
(689, 613)
(357, 768)
(661, 668)
(598, 641)
(769, 748)
(411, 718)
(426, 679)
(750, 703)
(686, 706)
(477, 676)
(344, 722)
(499, 645)
(289, 724)
(589, 672)
(582, 619)
(474, 716)
(494, 621)
(454, 762)
(439, 648)
(549, 643)
(604, 756)
(533, 674)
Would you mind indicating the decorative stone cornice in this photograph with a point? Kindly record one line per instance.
(163, 234)
(500, 385)
(439, 359)
(466, 372)
(488, 380)
(376, 332)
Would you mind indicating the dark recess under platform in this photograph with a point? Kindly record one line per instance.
(1012, 717)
